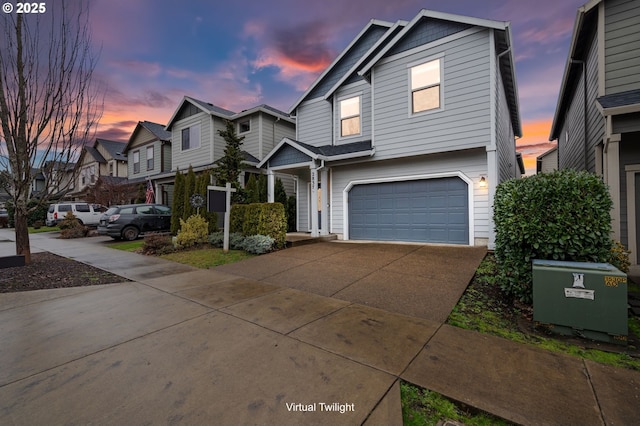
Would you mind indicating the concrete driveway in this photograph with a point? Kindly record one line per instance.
(257, 342)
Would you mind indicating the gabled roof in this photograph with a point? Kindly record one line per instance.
(620, 100)
(583, 29)
(157, 130)
(325, 152)
(95, 154)
(114, 148)
(217, 111)
(340, 57)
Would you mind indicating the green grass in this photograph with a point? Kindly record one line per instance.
(43, 229)
(479, 312)
(207, 257)
(128, 245)
(424, 407)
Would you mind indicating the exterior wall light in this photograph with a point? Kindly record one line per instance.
(483, 182)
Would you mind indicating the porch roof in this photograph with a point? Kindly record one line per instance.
(308, 152)
(627, 98)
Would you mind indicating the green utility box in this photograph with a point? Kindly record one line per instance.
(581, 298)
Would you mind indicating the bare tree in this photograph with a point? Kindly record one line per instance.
(49, 106)
(109, 191)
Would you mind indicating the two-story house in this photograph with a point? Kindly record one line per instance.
(597, 118)
(195, 140)
(148, 152)
(405, 136)
(102, 158)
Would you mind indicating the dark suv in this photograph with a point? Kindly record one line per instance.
(130, 221)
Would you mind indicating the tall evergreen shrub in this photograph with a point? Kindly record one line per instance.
(564, 215)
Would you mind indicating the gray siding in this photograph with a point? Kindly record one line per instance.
(472, 163)
(571, 150)
(426, 31)
(595, 120)
(314, 123)
(363, 89)
(465, 120)
(288, 155)
(626, 123)
(191, 157)
(505, 139)
(582, 129)
(273, 132)
(218, 141)
(622, 56)
(166, 158)
(251, 141)
(629, 154)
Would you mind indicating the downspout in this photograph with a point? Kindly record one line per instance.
(584, 107)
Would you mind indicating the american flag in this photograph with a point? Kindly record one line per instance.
(150, 193)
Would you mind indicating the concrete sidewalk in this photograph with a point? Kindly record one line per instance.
(182, 345)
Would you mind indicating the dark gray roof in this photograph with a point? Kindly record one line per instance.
(157, 130)
(631, 97)
(250, 158)
(113, 180)
(335, 150)
(95, 154)
(114, 148)
(212, 108)
(272, 109)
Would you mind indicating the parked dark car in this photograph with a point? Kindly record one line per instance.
(133, 220)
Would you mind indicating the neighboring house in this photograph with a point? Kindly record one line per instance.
(405, 136)
(148, 153)
(59, 177)
(547, 161)
(597, 118)
(195, 140)
(102, 158)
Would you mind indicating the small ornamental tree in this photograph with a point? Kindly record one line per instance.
(177, 209)
(232, 162)
(564, 215)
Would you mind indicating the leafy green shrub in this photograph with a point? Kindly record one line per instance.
(619, 256)
(38, 224)
(564, 215)
(193, 231)
(216, 239)
(258, 244)
(156, 244)
(236, 218)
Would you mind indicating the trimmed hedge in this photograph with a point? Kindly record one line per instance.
(260, 219)
(564, 215)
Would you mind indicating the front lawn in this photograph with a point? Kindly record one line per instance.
(33, 230)
(203, 258)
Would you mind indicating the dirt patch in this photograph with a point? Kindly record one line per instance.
(47, 271)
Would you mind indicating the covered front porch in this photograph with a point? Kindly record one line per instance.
(311, 166)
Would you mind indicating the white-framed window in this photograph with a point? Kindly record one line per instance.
(244, 126)
(111, 168)
(150, 158)
(350, 116)
(425, 83)
(136, 161)
(191, 137)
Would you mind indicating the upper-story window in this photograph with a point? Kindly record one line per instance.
(244, 126)
(111, 168)
(350, 116)
(150, 158)
(191, 137)
(136, 161)
(425, 86)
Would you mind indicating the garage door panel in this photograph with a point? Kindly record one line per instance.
(429, 210)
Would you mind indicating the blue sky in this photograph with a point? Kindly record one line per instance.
(243, 53)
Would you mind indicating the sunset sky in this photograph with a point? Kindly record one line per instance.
(239, 54)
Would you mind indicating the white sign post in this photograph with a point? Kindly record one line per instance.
(227, 211)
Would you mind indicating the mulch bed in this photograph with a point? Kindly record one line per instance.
(47, 271)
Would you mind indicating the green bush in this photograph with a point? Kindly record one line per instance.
(36, 210)
(619, 256)
(236, 218)
(564, 215)
(70, 227)
(236, 241)
(69, 221)
(193, 231)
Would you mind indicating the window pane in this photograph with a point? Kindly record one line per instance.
(351, 126)
(149, 158)
(426, 99)
(350, 107)
(425, 75)
(185, 139)
(194, 136)
(244, 126)
(136, 161)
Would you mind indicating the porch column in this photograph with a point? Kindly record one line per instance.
(324, 195)
(314, 200)
(612, 178)
(271, 183)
